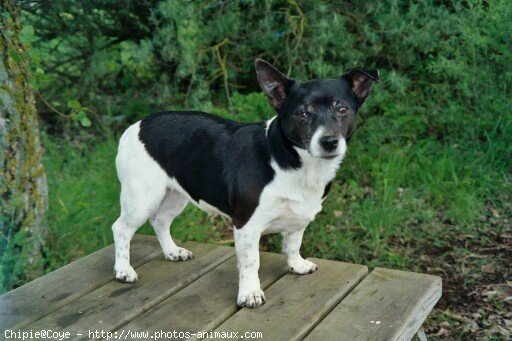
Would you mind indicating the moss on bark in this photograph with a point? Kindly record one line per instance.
(23, 190)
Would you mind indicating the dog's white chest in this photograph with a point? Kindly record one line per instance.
(289, 215)
(294, 196)
(292, 200)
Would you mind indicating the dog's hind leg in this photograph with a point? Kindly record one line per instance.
(142, 190)
(123, 233)
(172, 205)
(138, 202)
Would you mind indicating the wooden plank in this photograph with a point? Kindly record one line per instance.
(295, 303)
(386, 305)
(114, 304)
(207, 302)
(46, 294)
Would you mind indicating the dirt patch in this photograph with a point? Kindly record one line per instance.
(477, 282)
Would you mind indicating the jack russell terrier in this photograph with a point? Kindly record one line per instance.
(268, 177)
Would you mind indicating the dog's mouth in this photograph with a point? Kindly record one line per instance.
(329, 157)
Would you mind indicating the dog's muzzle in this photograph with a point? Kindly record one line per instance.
(329, 142)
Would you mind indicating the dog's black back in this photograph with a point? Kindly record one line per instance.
(215, 160)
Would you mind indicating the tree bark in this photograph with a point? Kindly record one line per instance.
(23, 189)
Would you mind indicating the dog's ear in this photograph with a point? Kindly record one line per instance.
(361, 82)
(274, 83)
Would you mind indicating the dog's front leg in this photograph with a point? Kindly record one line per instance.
(291, 248)
(247, 241)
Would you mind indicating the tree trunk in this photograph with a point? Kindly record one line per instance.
(23, 190)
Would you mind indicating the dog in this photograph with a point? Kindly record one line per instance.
(268, 177)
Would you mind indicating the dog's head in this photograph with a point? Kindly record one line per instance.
(318, 115)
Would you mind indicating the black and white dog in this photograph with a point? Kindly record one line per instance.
(268, 176)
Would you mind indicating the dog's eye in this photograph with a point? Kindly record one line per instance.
(342, 111)
(303, 114)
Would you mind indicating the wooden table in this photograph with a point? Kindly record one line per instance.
(340, 301)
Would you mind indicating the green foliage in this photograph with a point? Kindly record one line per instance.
(440, 63)
(26, 35)
(78, 113)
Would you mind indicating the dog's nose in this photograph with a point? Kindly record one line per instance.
(329, 142)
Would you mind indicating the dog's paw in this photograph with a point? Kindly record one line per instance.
(302, 267)
(251, 299)
(179, 254)
(125, 274)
